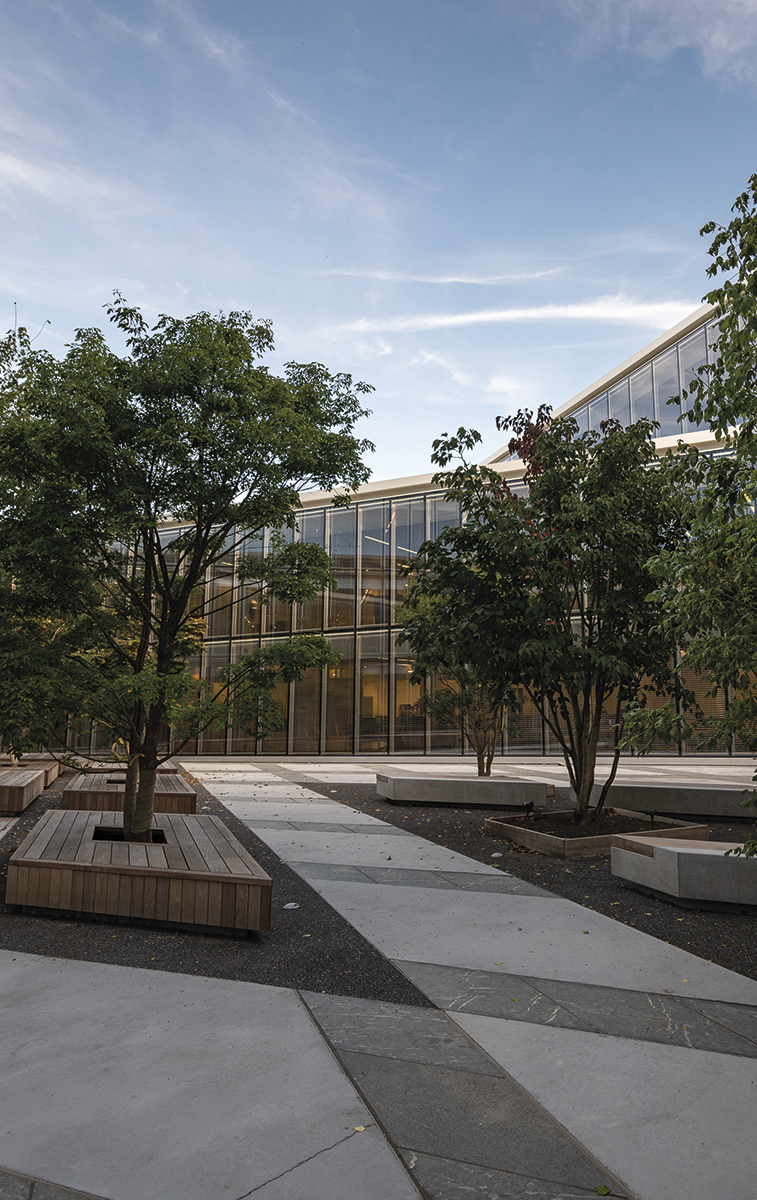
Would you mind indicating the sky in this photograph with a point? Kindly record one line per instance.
(474, 206)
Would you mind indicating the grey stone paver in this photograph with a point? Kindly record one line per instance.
(127, 1083)
(422, 1107)
(446, 1179)
(396, 1031)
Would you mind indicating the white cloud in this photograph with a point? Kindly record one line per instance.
(723, 32)
(402, 277)
(606, 308)
(458, 376)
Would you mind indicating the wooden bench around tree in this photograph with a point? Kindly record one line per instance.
(198, 875)
(100, 792)
(33, 762)
(19, 787)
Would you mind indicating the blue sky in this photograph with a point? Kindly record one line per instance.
(474, 206)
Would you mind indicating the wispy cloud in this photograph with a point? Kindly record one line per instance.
(607, 308)
(405, 277)
(458, 376)
(724, 32)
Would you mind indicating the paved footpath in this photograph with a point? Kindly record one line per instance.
(568, 1055)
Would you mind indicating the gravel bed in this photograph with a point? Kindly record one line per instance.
(728, 939)
(311, 947)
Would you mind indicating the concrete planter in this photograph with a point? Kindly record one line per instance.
(690, 874)
(691, 799)
(585, 847)
(468, 792)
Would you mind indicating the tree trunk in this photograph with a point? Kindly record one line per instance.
(130, 794)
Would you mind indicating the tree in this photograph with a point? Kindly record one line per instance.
(444, 636)
(556, 582)
(706, 585)
(98, 451)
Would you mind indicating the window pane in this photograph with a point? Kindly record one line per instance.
(342, 551)
(667, 384)
(276, 743)
(312, 527)
(213, 740)
(642, 399)
(374, 692)
(441, 514)
(374, 564)
(240, 740)
(444, 735)
(249, 607)
(409, 724)
(278, 614)
(598, 411)
(340, 699)
(306, 713)
(693, 353)
(619, 403)
(581, 415)
(409, 530)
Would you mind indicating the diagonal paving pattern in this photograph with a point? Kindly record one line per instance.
(609, 1057)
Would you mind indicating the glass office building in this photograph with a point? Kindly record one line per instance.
(367, 704)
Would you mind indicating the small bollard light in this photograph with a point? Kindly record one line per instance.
(529, 807)
(651, 813)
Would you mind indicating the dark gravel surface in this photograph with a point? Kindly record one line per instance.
(311, 947)
(729, 939)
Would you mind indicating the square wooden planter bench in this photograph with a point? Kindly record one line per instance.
(100, 792)
(197, 875)
(33, 762)
(19, 787)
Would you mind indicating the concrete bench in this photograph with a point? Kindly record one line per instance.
(690, 874)
(687, 799)
(470, 792)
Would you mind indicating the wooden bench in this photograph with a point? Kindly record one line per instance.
(166, 768)
(99, 792)
(19, 787)
(33, 762)
(200, 875)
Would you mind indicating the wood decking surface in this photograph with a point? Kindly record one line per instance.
(33, 762)
(100, 792)
(201, 876)
(18, 787)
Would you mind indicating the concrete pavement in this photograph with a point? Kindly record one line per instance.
(567, 1054)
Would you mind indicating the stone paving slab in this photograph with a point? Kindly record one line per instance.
(398, 848)
(524, 935)
(445, 1179)
(277, 809)
(409, 877)
(124, 1083)
(669, 1121)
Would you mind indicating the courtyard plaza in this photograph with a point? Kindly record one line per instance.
(554, 1052)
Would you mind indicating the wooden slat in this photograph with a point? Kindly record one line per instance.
(148, 903)
(224, 836)
(53, 895)
(103, 851)
(201, 902)
(155, 855)
(213, 860)
(124, 895)
(240, 913)
(234, 862)
(43, 894)
(66, 888)
(188, 898)
(137, 906)
(46, 830)
(137, 854)
(174, 900)
(57, 841)
(192, 855)
(77, 890)
(111, 901)
(120, 854)
(215, 898)
(161, 899)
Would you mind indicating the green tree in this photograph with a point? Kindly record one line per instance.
(707, 585)
(444, 638)
(99, 450)
(555, 582)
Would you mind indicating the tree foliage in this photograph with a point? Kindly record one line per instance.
(98, 451)
(553, 584)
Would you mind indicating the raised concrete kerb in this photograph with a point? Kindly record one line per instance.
(688, 873)
(691, 799)
(461, 792)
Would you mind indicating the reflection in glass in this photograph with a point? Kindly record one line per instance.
(213, 740)
(409, 723)
(342, 551)
(667, 384)
(642, 398)
(375, 561)
(598, 411)
(524, 726)
(441, 514)
(581, 416)
(278, 614)
(409, 531)
(693, 354)
(444, 735)
(618, 403)
(340, 699)
(250, 602)
(306, 713)
(312, 527)
(374, 692)
(276, 743)
(240, 740)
